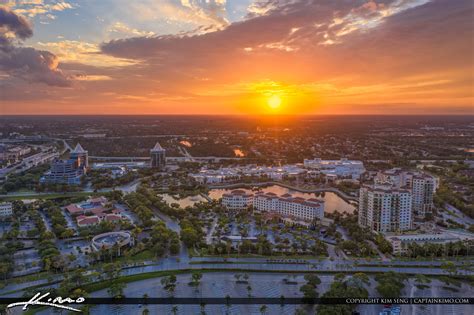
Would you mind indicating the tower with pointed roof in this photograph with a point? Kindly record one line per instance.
(81, 156)
(158, 157)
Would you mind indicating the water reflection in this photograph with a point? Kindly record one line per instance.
(332, 201)
(239, 153)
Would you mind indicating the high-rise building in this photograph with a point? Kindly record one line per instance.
(421, 185)
(423, 189)
(158, 157)
(385, 208)
(68, 171)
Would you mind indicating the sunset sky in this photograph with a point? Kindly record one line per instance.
(236, 57)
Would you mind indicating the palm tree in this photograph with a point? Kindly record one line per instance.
(174, 310)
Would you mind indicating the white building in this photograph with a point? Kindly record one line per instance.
(400, 242)
(421, 185)
(385, 208)
(207, 176)
(6, 209)
(237, 200)
(342, 168)
(289, 206)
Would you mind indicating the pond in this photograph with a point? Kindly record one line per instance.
(332, 201)
(239, 153)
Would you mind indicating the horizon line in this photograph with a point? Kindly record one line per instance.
(239, 115)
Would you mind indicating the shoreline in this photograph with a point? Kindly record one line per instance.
(341, 194)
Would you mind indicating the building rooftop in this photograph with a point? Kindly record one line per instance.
(157, 148)
(78, 149)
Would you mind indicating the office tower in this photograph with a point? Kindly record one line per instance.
(158, 157)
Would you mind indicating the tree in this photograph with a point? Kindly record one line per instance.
(116, 288)
(196, 279)
(390, 284)
(263, 309)
(189, 236)
(169, 283)
(312, 279)
(309, 291)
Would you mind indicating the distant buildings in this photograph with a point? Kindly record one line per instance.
(237, 200)
(6, 210)
(206, 176)
(13, 153)
(384, 208)
(68, 171)
(342, 168)
(158, 157)
(289, 206)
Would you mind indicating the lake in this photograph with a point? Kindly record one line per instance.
(332, 201)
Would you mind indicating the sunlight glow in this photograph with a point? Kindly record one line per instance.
(274, 101)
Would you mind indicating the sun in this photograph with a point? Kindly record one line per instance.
(274, 101)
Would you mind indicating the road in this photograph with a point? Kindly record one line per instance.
(183, 262)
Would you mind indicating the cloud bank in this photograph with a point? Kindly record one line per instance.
(25, 62)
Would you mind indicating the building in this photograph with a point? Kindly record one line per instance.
(289, 206)
(423, 189)
(158, 157)
(6, 209)
(229, 174)
(81, 156)
(342, 168)
(237, 200)
(68, 171)
(112, 240)
(92, 205)
(96, 219)
(13, 153)
(400, 242)
(421, 185)
(385, 208)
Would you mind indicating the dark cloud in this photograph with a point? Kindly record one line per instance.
(293, 33)
(15, 23)
(25, 62)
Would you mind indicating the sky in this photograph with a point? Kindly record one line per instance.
(318, 57)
